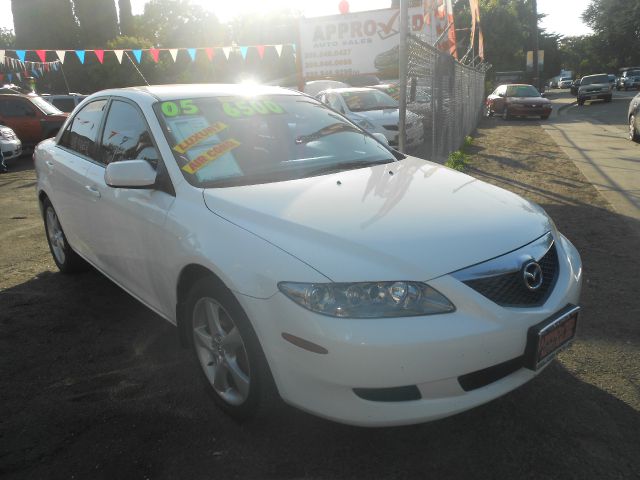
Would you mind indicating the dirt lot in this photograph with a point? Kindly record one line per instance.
(94, 385)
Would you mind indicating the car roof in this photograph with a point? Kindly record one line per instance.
(349, 89)
(169, 92)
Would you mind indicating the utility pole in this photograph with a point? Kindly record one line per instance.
(402, 67)
(536, 66)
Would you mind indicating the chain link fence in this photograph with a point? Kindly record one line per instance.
(447, 95)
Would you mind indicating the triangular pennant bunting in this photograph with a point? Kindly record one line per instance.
(1, 56)
(155, 54)
(192, 53)
(42, 55)
(80, 54)
(210, 53)
(21, 54)
(226, 51)
(137, 54)
(243, 51)
(260, 50)
(278, 49)
(174, 53)
(61, 54)
(119, 54)
(100, 55)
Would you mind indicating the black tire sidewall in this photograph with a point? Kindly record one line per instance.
(72, 262)
(258, 369)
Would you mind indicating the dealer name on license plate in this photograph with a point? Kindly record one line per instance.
(547, 338)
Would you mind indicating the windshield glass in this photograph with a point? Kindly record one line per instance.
(45, 106)
(633, 73)
(363, 100)
(230, 141)
(594, 79)
(522, 91)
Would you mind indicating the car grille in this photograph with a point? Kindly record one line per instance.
(509, 290)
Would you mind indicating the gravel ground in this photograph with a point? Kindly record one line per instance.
(94, 385)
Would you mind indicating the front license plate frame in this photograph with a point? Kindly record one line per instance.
(548, 337)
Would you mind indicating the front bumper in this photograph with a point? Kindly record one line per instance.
(429, 353)
(526, 110)
(11, 149)
(602, 95)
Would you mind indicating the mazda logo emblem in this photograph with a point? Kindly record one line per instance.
(532, 275)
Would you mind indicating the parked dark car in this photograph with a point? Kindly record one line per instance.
(518, 100)
(32, 118)
(634, 121)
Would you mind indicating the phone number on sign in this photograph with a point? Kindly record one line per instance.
(328, 73)
(328, 63)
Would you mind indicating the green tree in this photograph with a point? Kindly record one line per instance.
(126, 17)
(178, 23)
(98, 21)
(7, 38)
(44, 24)
(616, 26)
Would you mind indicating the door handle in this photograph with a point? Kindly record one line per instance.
(93, 191)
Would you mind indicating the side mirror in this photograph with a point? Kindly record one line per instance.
(543, 94)
(130, 174)
(381, 138)
(501, 95)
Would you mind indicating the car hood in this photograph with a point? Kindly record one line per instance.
(387, 116)
(529, 100)
(407, 220)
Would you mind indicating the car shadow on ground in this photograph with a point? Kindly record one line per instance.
(94, 385)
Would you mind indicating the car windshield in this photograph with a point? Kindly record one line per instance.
(363, 100)
(231, 141)
(595, 79)
(633, 73)
(45, 106)
(522, 91)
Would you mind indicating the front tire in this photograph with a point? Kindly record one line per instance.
(230, 359)
(65, 258)
(634, 136)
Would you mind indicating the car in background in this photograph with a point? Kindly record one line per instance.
(518, 100)
(594, 87)
(374, 111)
(314, 87)
(633, 117)
(65, 103)
(574, 86)
(30, 117)
(10, 144)
(629, 79)
(565, 82)
(298, 256)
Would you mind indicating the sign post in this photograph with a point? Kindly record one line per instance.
(402, 69)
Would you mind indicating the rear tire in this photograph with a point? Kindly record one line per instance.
(580, 101)
(227, 351)
(65, 258)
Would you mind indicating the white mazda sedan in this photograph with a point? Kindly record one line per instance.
(298, 255)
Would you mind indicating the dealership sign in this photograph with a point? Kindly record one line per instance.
(360, 43)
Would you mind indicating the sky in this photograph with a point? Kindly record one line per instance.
(563, 16)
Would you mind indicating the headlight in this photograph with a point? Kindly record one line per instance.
(6, 133)
(368, 299)
(366, 124)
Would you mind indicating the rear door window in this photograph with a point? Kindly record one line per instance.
(82, 132)
(16, 107)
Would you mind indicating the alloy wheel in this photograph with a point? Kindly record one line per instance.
(56, 235)
(221, 351)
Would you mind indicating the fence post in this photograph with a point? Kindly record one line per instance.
(402, 70)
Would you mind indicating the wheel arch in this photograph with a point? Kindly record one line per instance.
(188, 276)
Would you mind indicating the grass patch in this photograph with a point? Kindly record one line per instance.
(458, 160)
